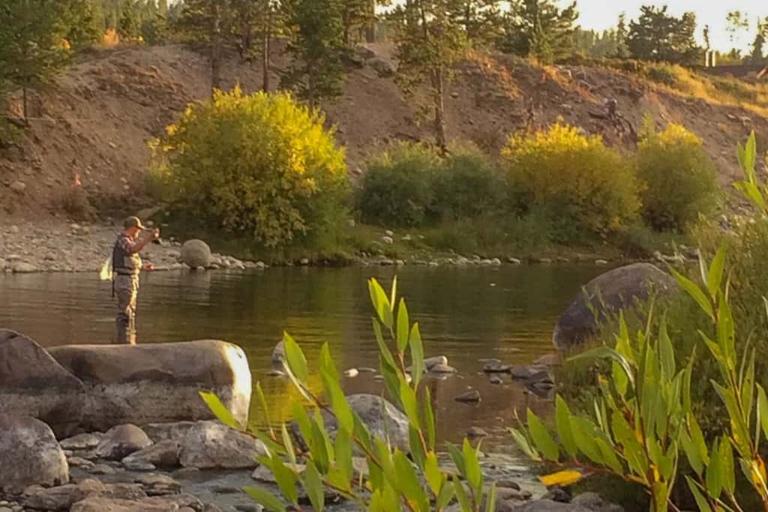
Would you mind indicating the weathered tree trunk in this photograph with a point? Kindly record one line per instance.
(438, 92)
(265, 49)
(216, 49)
(25, 106)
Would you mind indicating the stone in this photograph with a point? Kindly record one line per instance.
(549, 506)
(381, 417)
(476, 432)
(531, 373)
(79, 462)
(156, 484)
(496, 367)
(387, 240)
(514, 261)
(196, 253)
(383, 68)
(210, 444)
(264, 474)
(429, 362)
(495, 379)
(32, 383)
(101, 469)
(55, 498)
(442, 368)
(351, 373)
(22, 267)
(151, 383)
(164, 454)
(471, 396)
(151, 504)
(30, 455)
(278, 354)
(121, 441)
(82, 441)
(609, 293)
(18, 186)
(594, 502)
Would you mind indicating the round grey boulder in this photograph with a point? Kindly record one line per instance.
(30, 455)
(608, 294)
(121, 441)
(381, 417)
(196, 253)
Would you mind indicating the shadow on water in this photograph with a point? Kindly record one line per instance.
(466, 314)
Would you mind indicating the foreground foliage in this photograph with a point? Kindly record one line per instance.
(261, 165)
(643, 422)
(395, 479)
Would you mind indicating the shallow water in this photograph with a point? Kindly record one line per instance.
(467, 314)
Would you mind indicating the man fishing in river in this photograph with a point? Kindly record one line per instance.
(126, 266)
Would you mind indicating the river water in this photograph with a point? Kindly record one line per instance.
(466, 314)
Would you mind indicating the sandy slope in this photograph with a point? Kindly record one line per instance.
(94, 122)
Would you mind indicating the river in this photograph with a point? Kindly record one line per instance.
(466, 314)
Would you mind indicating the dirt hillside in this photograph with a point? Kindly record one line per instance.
(92, 125)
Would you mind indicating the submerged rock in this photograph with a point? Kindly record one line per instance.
(471, 396)
(609, 293)
(157, 382)
(29, 455)
(32, 383)
(164, 454)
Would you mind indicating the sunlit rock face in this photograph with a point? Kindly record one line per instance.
(153, 383)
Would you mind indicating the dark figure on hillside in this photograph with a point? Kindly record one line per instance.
(126, 265)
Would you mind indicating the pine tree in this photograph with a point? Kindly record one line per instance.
(316, 47)
(206, 21)
(538, 28)
(36, 39)
(758, 45)
(659, 36)
(480, 19)
(357, 16)
(429, 41)
(622, 50)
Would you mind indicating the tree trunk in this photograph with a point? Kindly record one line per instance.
(439, 105)
(265, 49)
(25, 106)
(216, 49)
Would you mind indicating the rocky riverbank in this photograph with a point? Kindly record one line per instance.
(53, 246)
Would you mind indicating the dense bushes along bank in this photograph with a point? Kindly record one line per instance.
(264, 170)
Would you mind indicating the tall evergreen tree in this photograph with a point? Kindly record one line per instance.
(540, 29)
(36, 39)
(206, 21)
(480, 19)
(622, 34)
(429, 41)
(659, 36)
(316, 47)
(357, 16)
(758, 45)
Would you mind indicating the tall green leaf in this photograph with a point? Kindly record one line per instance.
(217, 407)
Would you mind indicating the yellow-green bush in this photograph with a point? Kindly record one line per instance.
(259, 164)
(678, 177)
(575, 178)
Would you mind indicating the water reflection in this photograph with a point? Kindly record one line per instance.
(465, 313)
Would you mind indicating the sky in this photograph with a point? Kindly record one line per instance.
(603, 14)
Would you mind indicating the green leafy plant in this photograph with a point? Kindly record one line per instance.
(259, 165)
(643, 421)
(395, 479)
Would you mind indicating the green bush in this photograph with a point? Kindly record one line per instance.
(467, 185)
(573, 177)
(261, 165)
(679, 178)
(397, 186)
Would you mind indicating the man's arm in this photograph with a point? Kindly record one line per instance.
(138, 245)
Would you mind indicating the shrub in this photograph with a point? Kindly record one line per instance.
(573, 176)
(679, 179)
(397, 186)
(467, 185)
(258, 164)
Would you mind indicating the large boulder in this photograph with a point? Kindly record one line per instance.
(606, 294)
(196, 253)
(33, 384)
(209, 444)
(143, 384)
(29, 455)
(381, 417)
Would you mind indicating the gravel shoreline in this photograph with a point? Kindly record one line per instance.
(27, 247)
